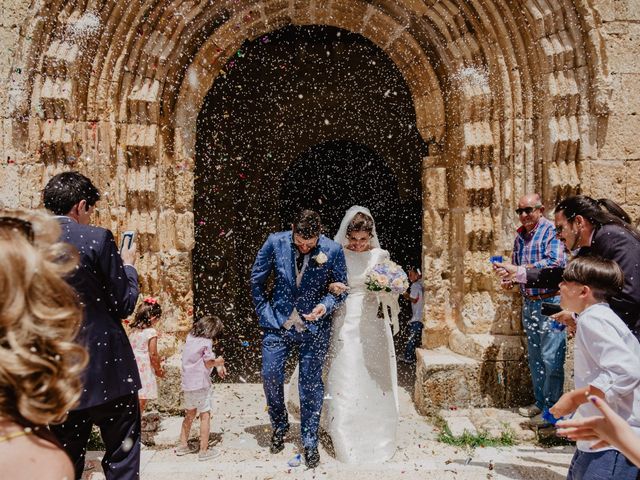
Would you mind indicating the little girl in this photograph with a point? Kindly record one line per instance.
(144, 341)
(198, 360)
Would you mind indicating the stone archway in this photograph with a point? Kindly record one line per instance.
(510, 97)
(304, 117)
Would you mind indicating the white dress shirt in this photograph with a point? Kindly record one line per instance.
(607, 356)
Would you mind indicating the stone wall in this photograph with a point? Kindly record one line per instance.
(511, 97)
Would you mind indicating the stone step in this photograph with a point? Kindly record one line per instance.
(446, 379)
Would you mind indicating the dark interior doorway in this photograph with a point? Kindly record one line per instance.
(335, 175)
(303, 117)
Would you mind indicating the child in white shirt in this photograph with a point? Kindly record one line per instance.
(416, 297)
(607, 364)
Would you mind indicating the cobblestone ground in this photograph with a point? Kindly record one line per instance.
(241, 431)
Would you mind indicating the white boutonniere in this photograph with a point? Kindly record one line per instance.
(320, 258)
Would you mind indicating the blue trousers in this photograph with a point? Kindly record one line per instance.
(546, 350)
(606, 465)
(276, 348)
(415, 336)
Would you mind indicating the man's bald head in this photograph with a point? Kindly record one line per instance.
(530, 200)
(530, 210)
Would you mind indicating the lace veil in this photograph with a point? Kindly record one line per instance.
(341, 236)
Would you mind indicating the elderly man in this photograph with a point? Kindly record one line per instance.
(536, 246)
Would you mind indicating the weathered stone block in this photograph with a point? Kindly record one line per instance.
(632, 176)
(625, 94)
(617, 138)
(445, 379)
(458, 426)
(434, 181)
(185, 240)
(170, 387)
(608, 179)
(13, 13)
(487, 347)
(622, 48)
(9, 194)
(175, 267)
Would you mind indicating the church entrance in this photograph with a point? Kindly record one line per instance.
(305, 117)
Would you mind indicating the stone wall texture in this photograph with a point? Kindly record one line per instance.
(512, 97)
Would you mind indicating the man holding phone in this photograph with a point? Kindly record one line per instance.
(536, 246)
(107, 286)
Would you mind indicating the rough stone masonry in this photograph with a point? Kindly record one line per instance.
(510, 97)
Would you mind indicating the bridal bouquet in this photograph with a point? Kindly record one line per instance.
(386, 277)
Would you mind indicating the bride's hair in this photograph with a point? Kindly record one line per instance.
(361, 222)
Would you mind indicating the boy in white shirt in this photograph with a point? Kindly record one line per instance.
(416, 297)
(607, 364)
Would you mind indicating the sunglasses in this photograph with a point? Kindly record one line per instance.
(23, 226)
(527, 210)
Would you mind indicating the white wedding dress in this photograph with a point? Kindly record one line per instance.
(360, 410)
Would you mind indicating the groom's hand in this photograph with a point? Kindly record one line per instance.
(338, 288)
(316, 313)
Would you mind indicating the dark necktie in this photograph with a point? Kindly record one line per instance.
(299, 261)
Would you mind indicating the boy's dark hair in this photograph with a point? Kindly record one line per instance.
(414, 268)
(361, 222)
(597, 212)
(209, 326)
(604, 277)
(66, 189)
(145, 313)
(307, 224)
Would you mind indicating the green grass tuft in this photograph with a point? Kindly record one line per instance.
(95, 440)
(480, 439)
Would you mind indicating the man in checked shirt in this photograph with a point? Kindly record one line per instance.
(536, 246)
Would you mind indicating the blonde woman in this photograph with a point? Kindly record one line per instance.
(40, 365)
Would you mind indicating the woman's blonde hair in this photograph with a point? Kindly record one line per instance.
(40, 365)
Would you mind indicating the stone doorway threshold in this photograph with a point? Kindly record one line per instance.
(240, 429)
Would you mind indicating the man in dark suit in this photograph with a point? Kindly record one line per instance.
(107, 284)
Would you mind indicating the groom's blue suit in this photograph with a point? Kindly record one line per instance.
(278, 256)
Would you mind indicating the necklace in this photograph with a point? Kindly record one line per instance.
(19, 433)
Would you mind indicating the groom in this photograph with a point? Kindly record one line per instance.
(303, 263)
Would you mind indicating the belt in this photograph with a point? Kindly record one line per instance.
(541, 297)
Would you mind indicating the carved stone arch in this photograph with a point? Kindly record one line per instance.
(379, 28)
(509, 96)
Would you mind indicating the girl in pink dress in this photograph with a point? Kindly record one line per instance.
(144, 341)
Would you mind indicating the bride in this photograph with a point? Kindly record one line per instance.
(360, 410)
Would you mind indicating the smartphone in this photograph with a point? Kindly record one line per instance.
(127, 240)
(548, 309)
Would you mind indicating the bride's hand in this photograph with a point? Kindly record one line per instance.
(337, 288)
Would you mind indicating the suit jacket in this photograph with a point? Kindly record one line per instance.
(278, 255)
(612, 242)
(108, 291)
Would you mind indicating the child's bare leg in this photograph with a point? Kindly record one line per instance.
(186, 426)
(205, 424)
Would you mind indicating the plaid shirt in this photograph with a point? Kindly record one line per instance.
(538, 249)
